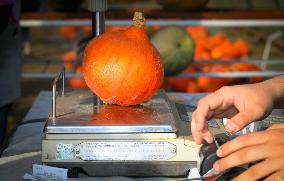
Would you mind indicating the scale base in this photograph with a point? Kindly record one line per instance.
(171, 157)
(160, 146)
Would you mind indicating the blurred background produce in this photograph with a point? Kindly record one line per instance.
(176, 47)
(48, 48)
(184, 49)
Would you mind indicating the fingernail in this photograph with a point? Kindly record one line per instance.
(196, 140)
(231, 127)
(219, 152)
(216, 167)
(209, 139)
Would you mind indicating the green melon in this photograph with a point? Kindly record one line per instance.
(176, 48)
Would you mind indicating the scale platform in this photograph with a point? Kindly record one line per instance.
(110, 140)
(79, 112)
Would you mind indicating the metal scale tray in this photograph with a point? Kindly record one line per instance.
(78, 112)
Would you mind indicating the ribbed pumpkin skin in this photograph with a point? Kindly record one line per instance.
(123, 67)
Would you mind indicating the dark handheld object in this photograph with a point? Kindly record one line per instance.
(209, 157)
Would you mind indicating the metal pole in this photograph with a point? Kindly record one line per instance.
(53, 102)
(98, 23)
(63, 81)
(98, 7)
(268, 44)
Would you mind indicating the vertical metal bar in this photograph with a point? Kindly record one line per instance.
(63, 81)
(98, 8)
(54, 86)
(98, 104)
(267, 47)
(94, 24)
(98, 19)
(53, 102)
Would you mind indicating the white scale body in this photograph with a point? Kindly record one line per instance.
(107, 140)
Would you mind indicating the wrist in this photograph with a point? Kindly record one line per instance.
(275, 88)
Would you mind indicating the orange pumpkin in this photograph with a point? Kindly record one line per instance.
(123, 67)
(241, 46)
(87, 30)
(201, 52)
(197, 32)
(181, 83)
(69, 32)
(217, 53)
(245, 67)
(210, 84)
(68, 57)
(77, 83)
(192, 86)
(248, 67)
(178, 83)
(215, 40)
(227, 49)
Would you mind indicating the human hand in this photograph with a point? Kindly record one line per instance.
(266, 148)
(242, 104)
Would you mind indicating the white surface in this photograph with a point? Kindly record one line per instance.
(47, 173)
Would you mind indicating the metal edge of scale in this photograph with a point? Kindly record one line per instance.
(76, 112)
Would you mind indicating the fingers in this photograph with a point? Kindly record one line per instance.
(239, 121)
(205, 110)
(278, 176)
(241, 142)
(205, 105)
(243, 156)
(251, 147)
(198, 136)
(195, 133)
(227, 113)
(261, 170)
(207, 135)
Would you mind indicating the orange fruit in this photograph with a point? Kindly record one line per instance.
(123, 67)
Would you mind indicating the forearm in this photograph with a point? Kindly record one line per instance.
(275, 87)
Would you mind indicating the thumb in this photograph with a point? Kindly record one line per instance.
(238, 122)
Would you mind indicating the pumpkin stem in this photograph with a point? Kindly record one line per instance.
(139, 20)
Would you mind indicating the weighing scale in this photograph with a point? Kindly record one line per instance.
(149, 139)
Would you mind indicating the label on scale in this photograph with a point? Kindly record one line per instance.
(142, 150)
(131, 151)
